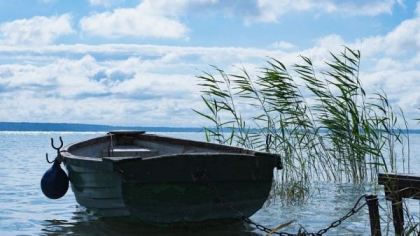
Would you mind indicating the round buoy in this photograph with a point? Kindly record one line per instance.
(54, 182)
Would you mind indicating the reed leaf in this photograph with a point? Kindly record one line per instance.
(335, 131)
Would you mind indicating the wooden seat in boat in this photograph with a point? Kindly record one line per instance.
(128, 151)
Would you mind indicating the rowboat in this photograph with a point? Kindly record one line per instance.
(160, 179)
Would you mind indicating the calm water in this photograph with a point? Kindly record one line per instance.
(25, 211)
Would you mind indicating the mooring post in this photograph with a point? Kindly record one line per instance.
(398, 215)
(373, 205)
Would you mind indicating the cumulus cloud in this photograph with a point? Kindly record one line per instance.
(403, 39)
(38, 30)
(104, 3)
(390, 62)
(150, 19)
(271, 11)
(283, 45)
(155, 85)
(46, 1)
(152, 85)
(418, 8)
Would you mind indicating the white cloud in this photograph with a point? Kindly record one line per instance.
(271, 11)
(152, 85)
(46, 1)
(174, 8)
(330, 42)
(403, 39)
(283, 45)
(38, 30)
(418, 8)
(104, 3)
(152, 19)
(390, 62)
(167, 55)
(155, 85)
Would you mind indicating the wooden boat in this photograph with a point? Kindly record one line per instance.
(166, 180)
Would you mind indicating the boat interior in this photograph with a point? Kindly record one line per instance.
(122, 145)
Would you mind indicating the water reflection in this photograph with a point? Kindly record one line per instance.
(127, 226)
(318, 212)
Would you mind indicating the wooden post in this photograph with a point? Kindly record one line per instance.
(375, 225)
(398, 215)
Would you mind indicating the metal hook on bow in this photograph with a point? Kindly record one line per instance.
(56, 148)
(48, 160)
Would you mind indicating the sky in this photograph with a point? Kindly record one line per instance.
(135, 62)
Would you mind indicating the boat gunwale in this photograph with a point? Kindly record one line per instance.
(186, 155)
(224, 149)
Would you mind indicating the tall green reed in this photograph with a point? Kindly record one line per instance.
(322, 122)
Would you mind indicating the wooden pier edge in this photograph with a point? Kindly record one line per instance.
(397, 187)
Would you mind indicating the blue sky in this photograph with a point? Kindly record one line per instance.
(133, 62)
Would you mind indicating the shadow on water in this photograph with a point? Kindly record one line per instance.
(88, 225)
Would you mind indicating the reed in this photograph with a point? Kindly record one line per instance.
(322, 122)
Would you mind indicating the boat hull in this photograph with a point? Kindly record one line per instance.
(98, 189)
(174, 188)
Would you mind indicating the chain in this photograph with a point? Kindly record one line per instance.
(302, 232)
(356, 208)
(266, 229)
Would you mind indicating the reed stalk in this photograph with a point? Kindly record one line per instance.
(323, 123)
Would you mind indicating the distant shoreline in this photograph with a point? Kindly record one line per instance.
(73, 127)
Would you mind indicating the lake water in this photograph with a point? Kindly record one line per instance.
(25, 211)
